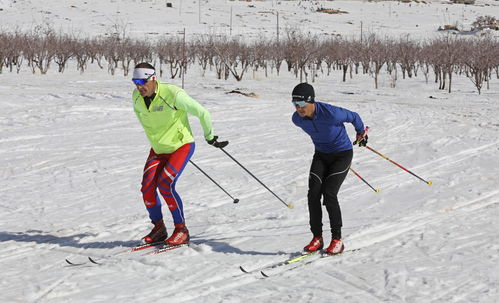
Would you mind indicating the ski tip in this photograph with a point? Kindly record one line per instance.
(264, 274)
(93, 261)
(243, 270)
(72, 263)
(69, 262)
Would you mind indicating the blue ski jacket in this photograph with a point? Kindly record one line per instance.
(327, 130)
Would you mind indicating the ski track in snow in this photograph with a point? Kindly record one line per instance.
(72, 156)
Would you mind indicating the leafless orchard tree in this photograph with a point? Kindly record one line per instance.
(349, 54)
(480, 61)
(39, 49)
(260, 54)
(5, 40)
(14, 46)
(204, 52)
(447, 53)
(276, 56)
(170, 51)
(235, 57)
(82, 53)
(64, 50)
(408, 53)
(331, 49)
(134, 51)
(392, 63)
(96, 49)
(299, 51)
(141, 51)
(112, 53)
(378, 53)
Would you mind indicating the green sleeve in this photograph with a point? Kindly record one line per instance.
(184, 102)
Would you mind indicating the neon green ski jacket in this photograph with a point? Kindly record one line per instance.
(165, 121)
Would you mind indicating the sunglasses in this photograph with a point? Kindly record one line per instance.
(299, 103)
(142, 81)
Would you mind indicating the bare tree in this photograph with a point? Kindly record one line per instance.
(407, 53)
(347, 54)
(480, 61)
(235, 56)
(260, 54)
(64, 50)
(378, 53)
(169, 51)
(299, 51)
(82, 53)
(15, 54)
(203, 49)
(450, 56)
(276, 56)
(6, 40)
(39, 49)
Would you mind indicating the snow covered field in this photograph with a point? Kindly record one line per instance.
(72, 155)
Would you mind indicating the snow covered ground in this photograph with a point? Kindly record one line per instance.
(151, 18)
(72, 155)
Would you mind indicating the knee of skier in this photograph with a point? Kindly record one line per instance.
(330, 199)
(314, 186)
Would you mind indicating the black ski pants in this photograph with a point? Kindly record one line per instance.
(327, 173)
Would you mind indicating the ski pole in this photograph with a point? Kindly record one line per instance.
(376, 190)
(288, 205)
(235, 200)
(386, 158)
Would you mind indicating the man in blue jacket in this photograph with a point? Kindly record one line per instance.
(324, 123)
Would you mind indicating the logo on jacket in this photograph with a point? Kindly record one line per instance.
(157, 108)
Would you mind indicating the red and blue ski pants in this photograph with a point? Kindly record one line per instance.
(161, 172)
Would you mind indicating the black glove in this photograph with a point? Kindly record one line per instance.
(217, 144)
(361, 139)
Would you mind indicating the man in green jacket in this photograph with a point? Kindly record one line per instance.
(162, 110)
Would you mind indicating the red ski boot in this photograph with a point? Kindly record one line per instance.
(336, 247)
(157, 234)
(180, 235)
(316, 244)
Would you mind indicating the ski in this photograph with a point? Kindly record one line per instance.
(145, 246)
(161, 247)
(291, 260)
(90, 260)
(75, 264)
(265, 271)
(166, 248)
(93, 261)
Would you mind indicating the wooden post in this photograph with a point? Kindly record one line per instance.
(230, 31)
(183, 60)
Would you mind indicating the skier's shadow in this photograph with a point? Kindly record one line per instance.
(223, 247)
(40, 237)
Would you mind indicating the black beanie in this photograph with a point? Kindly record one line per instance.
(303, 92)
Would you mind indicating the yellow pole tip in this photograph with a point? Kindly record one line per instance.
(377, 190)
(291, 206)
(430, 182)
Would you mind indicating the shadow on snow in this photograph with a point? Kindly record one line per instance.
(40, 237)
